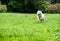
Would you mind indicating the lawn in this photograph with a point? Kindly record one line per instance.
(26, 27)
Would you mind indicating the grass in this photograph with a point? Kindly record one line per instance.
(26, 27)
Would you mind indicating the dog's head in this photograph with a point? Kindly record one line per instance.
(39, 12)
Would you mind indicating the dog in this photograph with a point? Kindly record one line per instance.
(40, 16)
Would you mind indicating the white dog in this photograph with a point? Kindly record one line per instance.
(40, 16)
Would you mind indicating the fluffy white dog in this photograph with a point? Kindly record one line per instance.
(40, 16)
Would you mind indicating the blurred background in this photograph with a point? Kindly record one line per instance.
(30, 6)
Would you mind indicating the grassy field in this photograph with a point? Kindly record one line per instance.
(26, 27)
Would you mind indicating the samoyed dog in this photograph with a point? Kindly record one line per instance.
(40, 16)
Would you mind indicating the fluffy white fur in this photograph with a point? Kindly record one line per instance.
(40, 15)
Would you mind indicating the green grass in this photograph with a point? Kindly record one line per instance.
(26, 27)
